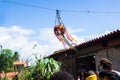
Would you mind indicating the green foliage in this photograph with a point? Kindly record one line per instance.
(29, 73)
(47, 67)
(6, 59)
(16, 56)
(44, 68)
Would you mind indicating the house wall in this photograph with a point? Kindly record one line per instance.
(68, 63)
(113, 54)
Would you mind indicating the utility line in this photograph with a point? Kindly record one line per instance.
(77, 11)
(11, 2)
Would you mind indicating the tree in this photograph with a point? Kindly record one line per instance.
(16, 56)
(46, 67)
(43, 69)
(7, 58)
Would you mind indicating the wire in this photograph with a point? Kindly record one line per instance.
(11, 2)
(77, 11)
(107, 12)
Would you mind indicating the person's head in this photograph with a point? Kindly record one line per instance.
(107, 75)
(62, 75)
(91, 75)
(90, 72)
(106, 64)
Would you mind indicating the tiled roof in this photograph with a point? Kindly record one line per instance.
(109, 36)
(9, 74)
(18, 63)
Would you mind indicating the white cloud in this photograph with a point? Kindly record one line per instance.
(107, 32)
(17, 39)
(28, 42)
(76, 30)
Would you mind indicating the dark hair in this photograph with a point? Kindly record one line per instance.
(62, 75)
(110, 75)
(106, 64)
(105, 60)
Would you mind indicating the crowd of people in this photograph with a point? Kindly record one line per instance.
(107, 73)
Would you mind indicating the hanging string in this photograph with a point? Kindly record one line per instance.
(58, 18)
(76, 11)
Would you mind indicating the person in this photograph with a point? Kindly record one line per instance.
(61, 75)
(82, 73)
(91, 75)
(107, 65)
(108, 75)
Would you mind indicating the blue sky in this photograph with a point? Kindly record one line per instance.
(23, 26)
